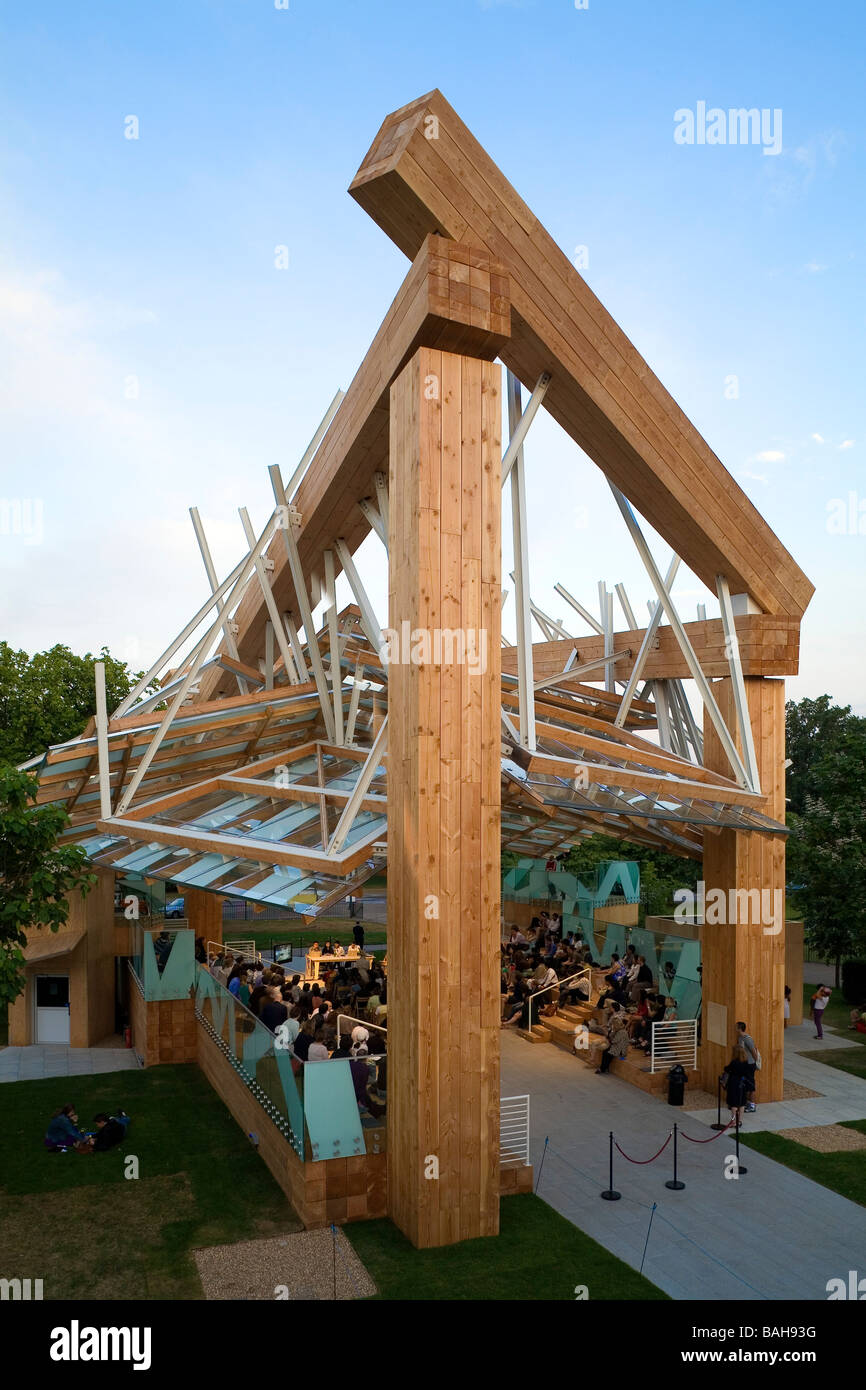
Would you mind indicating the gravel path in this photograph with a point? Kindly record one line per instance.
(295, 1267)
(826, 1139)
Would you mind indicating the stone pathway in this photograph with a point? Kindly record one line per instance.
(769, 1234)
(57, 1059)
(840, 1096)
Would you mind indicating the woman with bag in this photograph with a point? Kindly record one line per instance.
(738, 1083)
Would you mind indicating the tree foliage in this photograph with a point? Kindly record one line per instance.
(827, 845)
(812, 729)
(660, 873)
(36, 874)
(49, 697)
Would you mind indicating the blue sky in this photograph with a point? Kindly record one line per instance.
(153, 260)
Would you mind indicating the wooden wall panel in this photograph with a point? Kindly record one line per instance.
(744, 965)
(443, 795)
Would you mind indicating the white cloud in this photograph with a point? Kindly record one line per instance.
(847, 444)
(756, 477)
(818, 438)
(814, 267)
(769, 456)
(790, 175)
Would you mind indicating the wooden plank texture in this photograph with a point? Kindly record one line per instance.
(435, 306)
(769, 646)
(443, 797)
(426, 172)
(743, 962)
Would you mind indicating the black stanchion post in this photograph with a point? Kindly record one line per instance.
(610, 1195)
(740, 1168)
(674, 1184)
(718, 1125)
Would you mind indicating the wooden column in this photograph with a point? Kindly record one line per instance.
(204, 913)
(443, 799)
(743, 962)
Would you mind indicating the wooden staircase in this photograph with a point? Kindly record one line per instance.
(559, 1029)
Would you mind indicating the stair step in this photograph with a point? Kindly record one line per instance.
(539, 1034)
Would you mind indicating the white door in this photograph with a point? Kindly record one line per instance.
(52, 1008)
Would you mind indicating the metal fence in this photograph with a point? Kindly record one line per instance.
(674, 1042)
(513, 1129)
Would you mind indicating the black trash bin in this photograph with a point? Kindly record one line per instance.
(676, 1085)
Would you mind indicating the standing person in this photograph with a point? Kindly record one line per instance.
(819, 1004)
(738, 1083)
(787, 1005)
(753, 1060)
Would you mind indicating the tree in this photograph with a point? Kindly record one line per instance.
(49, 697)
(36, 874)
(660, 873)
(827, 845)
(812, 728)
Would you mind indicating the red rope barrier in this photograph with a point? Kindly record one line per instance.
(645, 1160)
(711, 1138)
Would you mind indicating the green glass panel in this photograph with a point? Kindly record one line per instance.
(178, 972)
(331, 1111)
(292, 1099)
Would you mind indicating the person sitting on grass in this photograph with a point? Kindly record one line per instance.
(110, 1129)
(63, 1132)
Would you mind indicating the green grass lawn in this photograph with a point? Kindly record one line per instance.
(836, 1015)
(537, 1256)
(76, 1222)
(850, 1059)
(844, 1173)
(302, 936)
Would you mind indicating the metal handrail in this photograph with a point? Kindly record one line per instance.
(557, 984)
(362, 1023)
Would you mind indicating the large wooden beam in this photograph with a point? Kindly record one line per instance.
(743, 957)
(426, 172)
(444, 805)
(769, 646)
(455, 297)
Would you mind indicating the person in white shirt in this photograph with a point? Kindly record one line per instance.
(819, 1004)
